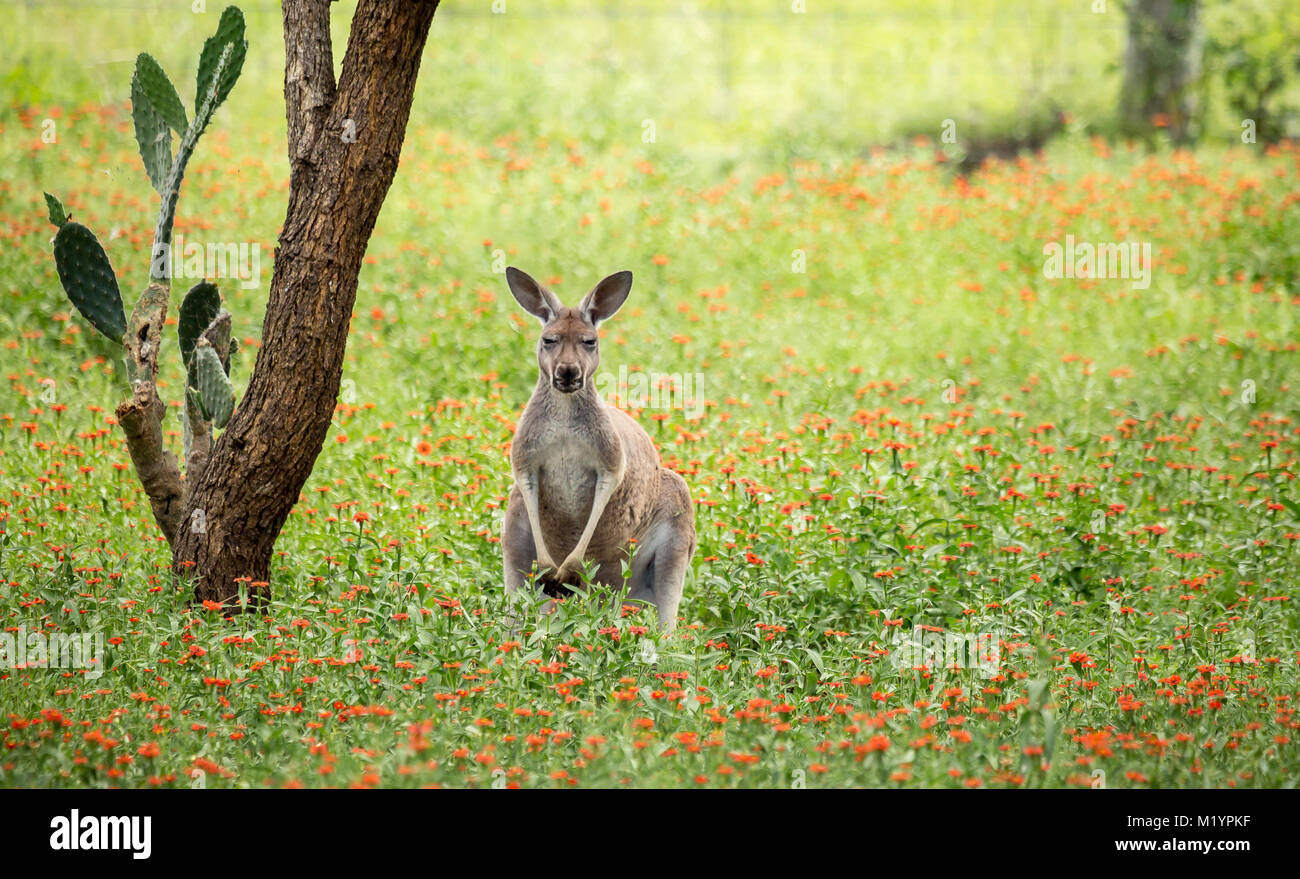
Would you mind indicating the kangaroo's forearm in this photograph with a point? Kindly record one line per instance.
(527, 482)
(606, 484)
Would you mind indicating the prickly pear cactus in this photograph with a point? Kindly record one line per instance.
(86, 274)
(156, 89)
(219, 68)
(152, 130)
(58, 216)
(219, 65)
(203, 322)
(211, 386)
(199, 309)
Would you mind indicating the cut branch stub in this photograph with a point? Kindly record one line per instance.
(218, 336)
(219, 65)
(145, 338)
(87, 276)
(196, 438)
(141, 419)
(199, 309)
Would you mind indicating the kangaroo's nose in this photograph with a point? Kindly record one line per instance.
(568, 376)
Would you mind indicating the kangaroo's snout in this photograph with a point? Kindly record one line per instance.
(567, 378)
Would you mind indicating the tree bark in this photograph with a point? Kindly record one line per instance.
(1160, 67)
(344, 142)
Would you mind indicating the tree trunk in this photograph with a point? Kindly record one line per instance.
(344, 142)
(1160, 67)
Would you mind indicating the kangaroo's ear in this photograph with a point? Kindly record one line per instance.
(606, 298)
(536, 299)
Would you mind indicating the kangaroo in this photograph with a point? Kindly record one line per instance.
(588, 480)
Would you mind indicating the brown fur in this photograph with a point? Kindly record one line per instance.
(574, 452)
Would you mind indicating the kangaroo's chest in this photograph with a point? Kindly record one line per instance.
(567, 454)
(567, 482)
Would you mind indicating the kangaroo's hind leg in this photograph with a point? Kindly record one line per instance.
(517, 549)
(661, 560)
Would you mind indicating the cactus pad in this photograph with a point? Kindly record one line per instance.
(199, 308)
(58, 216)
(158, 90)
(216, 397)
(153, 135)
(87, 276)
(219, 65)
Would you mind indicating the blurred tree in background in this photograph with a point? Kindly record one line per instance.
(1188, 62)
(1160, 67)
(1252, 56)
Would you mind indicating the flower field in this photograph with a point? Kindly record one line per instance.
(960, 524)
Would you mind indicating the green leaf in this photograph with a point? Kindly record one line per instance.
(158, 90)
(1050, 730)
(1254, 473)
(927, 523)
(87, 276)
(219, 65)
(58, 216)
(199, 308)
(1036, 688)
(153, 135)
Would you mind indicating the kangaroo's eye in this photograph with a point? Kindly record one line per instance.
(549, 340)
(590, 343)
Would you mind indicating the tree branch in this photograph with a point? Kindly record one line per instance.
(141, 419)
(308, 73)
(141, 416)
(344, 144)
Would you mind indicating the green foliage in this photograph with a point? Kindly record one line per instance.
(87, 276)
(1092, 488)
(1252, 53)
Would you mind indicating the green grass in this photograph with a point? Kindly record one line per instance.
(916, 429)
